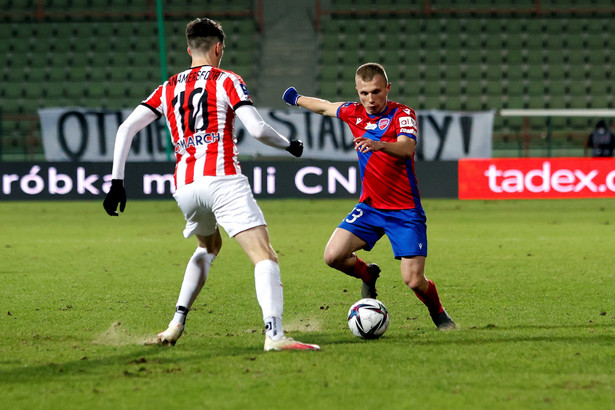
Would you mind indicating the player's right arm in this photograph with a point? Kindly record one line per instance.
(317, 105)
(140, 118)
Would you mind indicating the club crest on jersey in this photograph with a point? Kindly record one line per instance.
(383, 123)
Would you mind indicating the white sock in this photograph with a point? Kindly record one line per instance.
(195, 277)
(270, 296)
(273, 327)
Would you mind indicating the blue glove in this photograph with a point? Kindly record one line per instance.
(290, 96)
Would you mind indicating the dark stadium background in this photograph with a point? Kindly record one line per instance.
(440, 54)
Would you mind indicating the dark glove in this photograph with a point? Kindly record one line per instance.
(290, 96)
(115, 196)
(295, 148)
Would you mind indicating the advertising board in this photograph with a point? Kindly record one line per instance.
(534, 178)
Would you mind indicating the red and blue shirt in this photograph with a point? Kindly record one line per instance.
(388, 182)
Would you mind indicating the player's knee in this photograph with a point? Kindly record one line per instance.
(264, 253)
(274, 257)
(272, 254)
(415, 282)
(214, 247)
(213, 242)
(333, 259)
(217, 242)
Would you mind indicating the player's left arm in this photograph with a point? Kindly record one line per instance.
(403, 148)
(265, 133)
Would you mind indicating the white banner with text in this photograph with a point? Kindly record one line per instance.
(83, 134)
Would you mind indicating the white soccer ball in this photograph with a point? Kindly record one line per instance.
(368, 319)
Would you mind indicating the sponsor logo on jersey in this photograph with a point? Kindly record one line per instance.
(383, 123)
(359, 121)
(197, 140)
(407, 122)
(407, 131)
(370, 126)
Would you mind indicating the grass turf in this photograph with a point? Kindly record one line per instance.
(529, 282)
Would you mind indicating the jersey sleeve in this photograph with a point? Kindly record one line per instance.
(405, 123)
(344, 111)
(237, 91)
(154, 102)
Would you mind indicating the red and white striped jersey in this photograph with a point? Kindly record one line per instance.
(199, 106)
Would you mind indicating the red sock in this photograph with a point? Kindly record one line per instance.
(359, 270)
(431, 299)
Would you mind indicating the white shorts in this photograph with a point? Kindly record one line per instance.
(225, 200)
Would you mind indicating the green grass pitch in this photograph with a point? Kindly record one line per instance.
(530, 283)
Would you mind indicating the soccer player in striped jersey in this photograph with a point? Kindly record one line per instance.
(200, 105)
(385, 136)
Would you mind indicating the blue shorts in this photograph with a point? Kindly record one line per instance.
(405, 228)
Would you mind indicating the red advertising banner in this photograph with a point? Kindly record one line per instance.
(535, 178)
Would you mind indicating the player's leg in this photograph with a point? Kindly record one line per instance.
(407, 231)
(413, 274)
(267, 279)
(240, 216)
(197, 271)
(340, 254)
(200, 221)
(269, 292)
(195, 276)
(361, 229)
(340, 251)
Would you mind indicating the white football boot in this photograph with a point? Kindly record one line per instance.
(287, 343)
(170, 335)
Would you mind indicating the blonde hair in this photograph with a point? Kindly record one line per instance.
(368, 71)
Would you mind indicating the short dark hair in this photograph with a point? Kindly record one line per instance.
(368, 71)
(203, 33)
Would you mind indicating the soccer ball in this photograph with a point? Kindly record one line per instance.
(368, 319)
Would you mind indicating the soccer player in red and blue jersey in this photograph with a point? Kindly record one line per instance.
(385, 136)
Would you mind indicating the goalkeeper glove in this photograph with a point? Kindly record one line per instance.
(295, 148)
(115, 196)
(290, 96)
